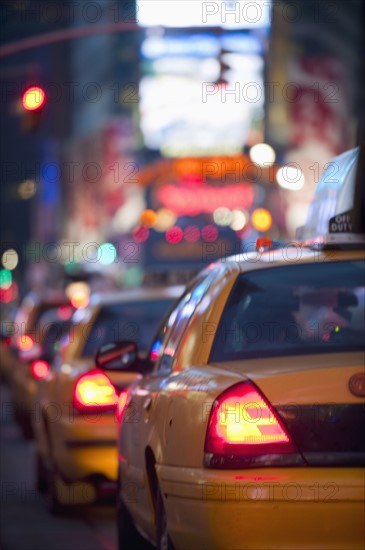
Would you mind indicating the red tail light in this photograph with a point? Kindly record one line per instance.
(40, 369)
(121, 406)
(242, 427)
(24, 342)
(7, 341)
(94, 392)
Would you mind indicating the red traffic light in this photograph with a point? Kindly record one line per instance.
(33, 98)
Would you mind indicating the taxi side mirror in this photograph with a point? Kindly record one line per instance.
(121, 356)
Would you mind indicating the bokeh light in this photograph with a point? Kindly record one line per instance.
(165, 219)
(107, 253)
(174, 235)
(6, 278)
(10, 259)
(148, 218)
(262, 154)
(192, 233)
(140, 234)
(27, 189)
(210, 233)
(222, 216)
(261, 219)
(290, 177)
(79, 294)
(239, 220)
(33, 98)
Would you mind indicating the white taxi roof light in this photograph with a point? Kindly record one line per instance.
(330, 216)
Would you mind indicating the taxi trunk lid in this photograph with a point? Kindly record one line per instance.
(321, 401)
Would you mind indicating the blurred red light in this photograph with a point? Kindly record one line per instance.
(65, 312)
(174, 235)
(188, 200)
(121, 406)
(192, 233)
(9, 294)
(141, 234)
(33, 98)
(40, 369)
(210, 233)
(94, 391)
(7, 341)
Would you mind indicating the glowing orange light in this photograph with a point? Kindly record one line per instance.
(261, 219)
(40, 369)
(80, 299)
(148, 218)
(25, 342)
(94, 390)
(34, 98)
(242, 421)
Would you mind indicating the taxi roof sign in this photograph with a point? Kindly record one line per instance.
(330, 219)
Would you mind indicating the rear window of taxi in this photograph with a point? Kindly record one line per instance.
(136, 321)
(293, 310)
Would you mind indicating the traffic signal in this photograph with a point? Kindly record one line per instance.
(33, 101)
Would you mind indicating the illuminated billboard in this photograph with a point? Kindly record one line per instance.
(201, 94)
(230, 14)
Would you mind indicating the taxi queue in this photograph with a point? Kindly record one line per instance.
(228, 414)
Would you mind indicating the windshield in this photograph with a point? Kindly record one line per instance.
(136, 321)
(292, 310)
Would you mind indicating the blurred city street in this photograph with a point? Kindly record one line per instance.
(182, 229)
(25, 522)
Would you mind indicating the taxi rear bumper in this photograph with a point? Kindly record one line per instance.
(280, 508)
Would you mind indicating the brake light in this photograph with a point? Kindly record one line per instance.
(24, 342)
(7, 341)
(242, 423)
(94, 391)
(40, 369)
(121, 406)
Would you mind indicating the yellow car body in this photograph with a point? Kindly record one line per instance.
(76, 449)
(35, 333)
(176, 493)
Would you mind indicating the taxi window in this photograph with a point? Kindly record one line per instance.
(180, 317)
(293, 310)
(136, 321)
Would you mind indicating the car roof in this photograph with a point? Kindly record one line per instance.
(137, 294)
(293, 254)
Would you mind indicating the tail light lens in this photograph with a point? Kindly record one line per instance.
(39, 369)
(121, 406)
(95, 392)
(24, 342)
(7, 341)
(244, 430)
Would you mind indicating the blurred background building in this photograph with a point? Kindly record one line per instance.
(172, 133)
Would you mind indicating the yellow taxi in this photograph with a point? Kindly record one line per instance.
(29, 342)
(248, 432)
(74, 424)
(36, 349)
